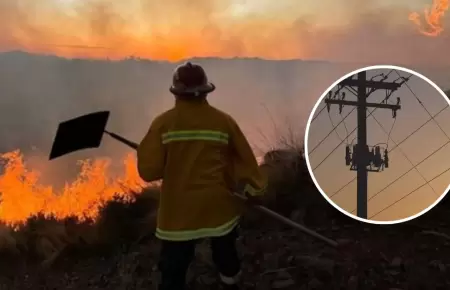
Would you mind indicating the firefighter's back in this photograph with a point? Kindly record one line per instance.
(197, 177)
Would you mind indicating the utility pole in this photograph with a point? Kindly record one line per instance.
(362, 174)
(362, 157)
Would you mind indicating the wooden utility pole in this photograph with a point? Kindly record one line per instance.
(363, 158)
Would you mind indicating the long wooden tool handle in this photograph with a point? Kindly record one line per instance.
(123, 140)
(260, 208)
(295, 225)
(290, 222)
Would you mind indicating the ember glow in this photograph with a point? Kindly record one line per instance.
(432, 24)
(22, 194)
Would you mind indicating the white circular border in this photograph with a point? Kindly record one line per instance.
(308, 125)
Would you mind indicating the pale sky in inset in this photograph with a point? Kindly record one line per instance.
(333, 173)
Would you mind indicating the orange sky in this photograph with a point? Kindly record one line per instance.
(348, 30)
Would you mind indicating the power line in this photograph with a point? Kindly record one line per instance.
(401, 151)
(416, 189)
(396, 146)
(361, 157)
(329, 133)
(387, 133)
(318, 114)
(342, 141)
(384, 77)
(405, 173)
(423, 106)
(325, 106)
(432, 118)
(422, 161)
(332, 125)
(345, 126)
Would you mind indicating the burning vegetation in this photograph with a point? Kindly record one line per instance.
(432, 24)
(23, 195)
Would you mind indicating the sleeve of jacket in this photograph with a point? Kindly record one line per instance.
(151, 154)
(251, 178)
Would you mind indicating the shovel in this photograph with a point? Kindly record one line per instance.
(87, 131)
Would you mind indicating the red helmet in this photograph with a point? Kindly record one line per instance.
(190, 80)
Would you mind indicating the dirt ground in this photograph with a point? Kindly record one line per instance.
(415, 255)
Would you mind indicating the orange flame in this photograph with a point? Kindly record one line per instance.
(22, 195)
(433, 18)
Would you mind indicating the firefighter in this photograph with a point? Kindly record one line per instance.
(201, 156)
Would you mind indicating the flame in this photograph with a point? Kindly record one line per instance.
(433, 18)
(22, 195)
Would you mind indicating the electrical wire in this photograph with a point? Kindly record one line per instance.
(348, 135)
(423, 106)
(332, 125)
(387, 133)
(346, 129)
(329, 133)
(396, 146)
(402, 152)
(318, 114)
(384, 77)
(389, 138)
(408, 171)
(335, 148)
(325, 106)
(411, 192)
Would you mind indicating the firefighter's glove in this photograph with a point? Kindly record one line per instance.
(253, 200)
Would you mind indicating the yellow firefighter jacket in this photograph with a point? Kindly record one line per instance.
(200, 154)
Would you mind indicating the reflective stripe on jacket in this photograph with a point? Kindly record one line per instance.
(201, 154)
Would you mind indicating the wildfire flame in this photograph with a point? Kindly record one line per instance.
(433, 18)
(22, 195)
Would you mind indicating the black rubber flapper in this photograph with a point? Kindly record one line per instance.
(80, 133)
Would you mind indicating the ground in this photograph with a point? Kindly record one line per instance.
(414, 255)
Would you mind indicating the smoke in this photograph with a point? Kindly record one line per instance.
(38, 92)
(362, 31)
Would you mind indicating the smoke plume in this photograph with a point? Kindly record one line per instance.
(367, 31)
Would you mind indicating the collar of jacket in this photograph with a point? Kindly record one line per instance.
(190, 103)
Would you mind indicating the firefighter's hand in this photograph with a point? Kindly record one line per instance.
(253, 200)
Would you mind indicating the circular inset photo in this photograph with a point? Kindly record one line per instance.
(377, 144)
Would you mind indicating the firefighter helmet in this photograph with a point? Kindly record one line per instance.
(190, 80)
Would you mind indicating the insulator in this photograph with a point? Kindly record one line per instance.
(378, 160)
(340, 105)
(348, 157)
